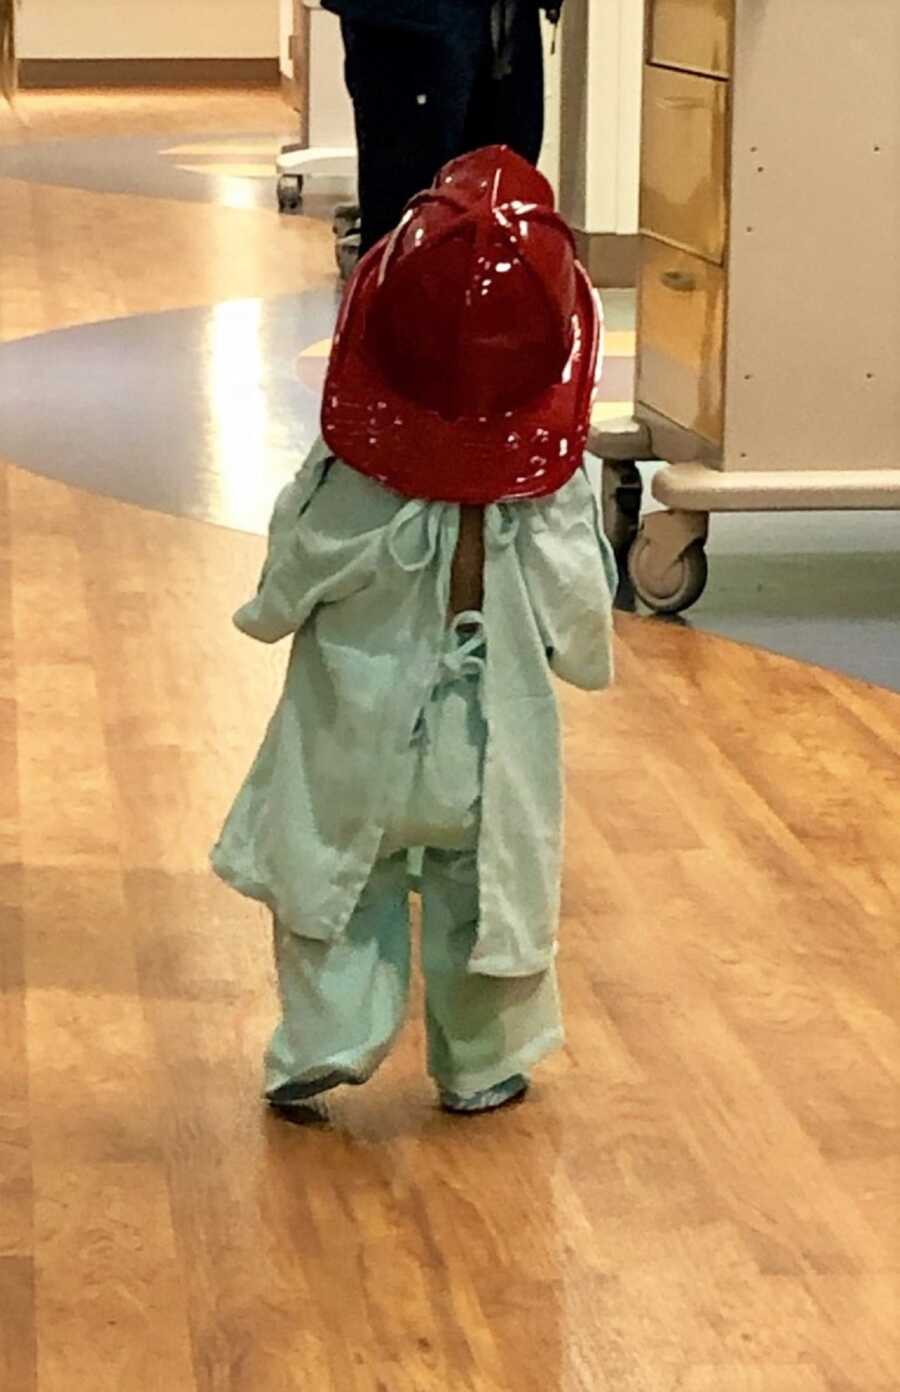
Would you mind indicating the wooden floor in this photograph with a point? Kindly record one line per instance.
(702, 1195)
(71, 256)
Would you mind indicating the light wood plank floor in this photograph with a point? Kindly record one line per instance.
(702, 1195)
(48, 115)
(72, 256)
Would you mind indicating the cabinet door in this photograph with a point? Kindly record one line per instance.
(692, 34)
(683, 161)
(681, 324)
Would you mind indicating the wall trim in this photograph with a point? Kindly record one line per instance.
(148, 72)
(610, 258)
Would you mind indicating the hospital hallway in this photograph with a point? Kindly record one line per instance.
(701, 1192)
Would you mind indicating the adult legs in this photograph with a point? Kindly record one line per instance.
(422, 99)
(509, 109)
(411, 94)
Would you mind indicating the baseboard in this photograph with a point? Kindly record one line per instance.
(610, 259)
(149, 72)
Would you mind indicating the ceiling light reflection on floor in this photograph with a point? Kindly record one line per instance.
(238, 405)
(234, 192)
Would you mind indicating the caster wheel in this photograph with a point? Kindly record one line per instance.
(290, 193)
(622, 496)
(673, 585)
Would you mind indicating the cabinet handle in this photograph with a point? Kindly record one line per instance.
(682, 281)
(680, 103)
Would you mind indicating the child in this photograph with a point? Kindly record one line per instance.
(436, 558)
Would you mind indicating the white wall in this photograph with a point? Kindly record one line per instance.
(149, 28)
(615, 58)
(552, 69)
(600, 152)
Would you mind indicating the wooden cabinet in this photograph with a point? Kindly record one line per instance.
(685, 147)
(768, 352)
(683, 161)
(694, 35)
(682, 317)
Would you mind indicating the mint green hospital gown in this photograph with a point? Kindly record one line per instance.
(399, 730)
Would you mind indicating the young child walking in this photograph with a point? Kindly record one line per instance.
(438, 557)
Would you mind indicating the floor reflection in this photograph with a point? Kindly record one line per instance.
(237, 405)
(200, 413)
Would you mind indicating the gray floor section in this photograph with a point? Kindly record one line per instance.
(777, 583)
(201, 413)
(139, 165)
(820, 586)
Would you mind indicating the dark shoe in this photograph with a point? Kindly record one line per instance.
(346, 219)
(346, 253)
(299, 1094)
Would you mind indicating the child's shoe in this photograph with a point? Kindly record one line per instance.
(488, 1099)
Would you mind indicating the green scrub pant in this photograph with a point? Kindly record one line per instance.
(344, 1002)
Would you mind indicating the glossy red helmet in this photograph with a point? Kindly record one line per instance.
(466, 351)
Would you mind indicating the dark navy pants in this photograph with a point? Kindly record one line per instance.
(421, 99)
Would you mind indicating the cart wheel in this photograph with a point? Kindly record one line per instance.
(667, 586)
(290, 192)
(622, 495)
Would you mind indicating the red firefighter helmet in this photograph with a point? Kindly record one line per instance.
(466, 352)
